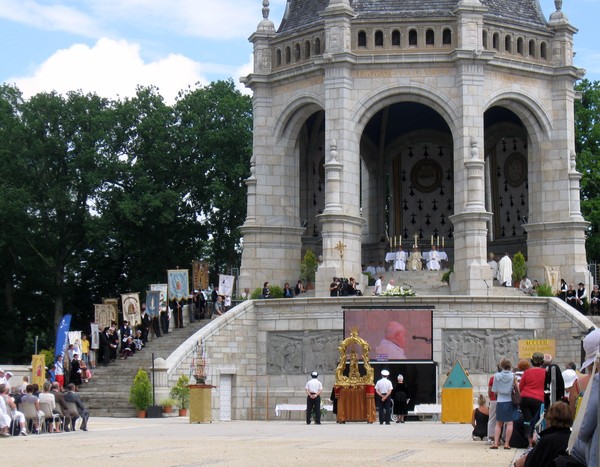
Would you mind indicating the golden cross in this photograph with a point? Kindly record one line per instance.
(340, 247)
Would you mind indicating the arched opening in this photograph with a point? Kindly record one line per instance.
(297, 54)
(378, 38)
(520, 49)
(532, 48)
(317, 46)
(507, 183)
(396, 38)
(278, 57)
(447, 36)
(485, 39)
(508, 44)
(307, 50)
(288, 55)
(412, 38)
(362, 39)
(429, 37)
(406, 178)
(496, 41)
(544, 51)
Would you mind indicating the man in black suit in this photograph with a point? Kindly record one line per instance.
(105, 346)
(59, 399)
(72, 396)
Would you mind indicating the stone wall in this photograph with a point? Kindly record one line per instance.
(269, 347)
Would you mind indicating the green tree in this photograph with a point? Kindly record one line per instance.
(214, 131)
(587, 146)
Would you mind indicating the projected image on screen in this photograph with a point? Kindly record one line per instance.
(393, 334)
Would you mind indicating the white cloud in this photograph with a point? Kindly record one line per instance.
(50, 17)
(110, 68)
(244, 71)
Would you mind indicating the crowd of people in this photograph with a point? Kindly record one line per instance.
(25, 408)
(543, 409)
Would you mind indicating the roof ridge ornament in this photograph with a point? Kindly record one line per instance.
(266, 25)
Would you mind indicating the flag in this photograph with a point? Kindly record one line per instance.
(131, 308)
(153, 303)
(62, 336)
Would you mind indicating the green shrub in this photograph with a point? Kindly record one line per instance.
(276, 292)
(309, 267)
(544, 290)
(181, 392)
(140, 393)
(446, 275)
(519, 267)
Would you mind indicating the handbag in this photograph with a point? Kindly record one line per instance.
(515, 395)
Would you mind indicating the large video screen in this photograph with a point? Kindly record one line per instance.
(393, 334)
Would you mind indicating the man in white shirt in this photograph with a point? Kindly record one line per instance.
(493, 264)
(313, 389)
(377, 290)
(371, 269)
(391, 285)
(526, 286)
(383, 388)
(380, 268)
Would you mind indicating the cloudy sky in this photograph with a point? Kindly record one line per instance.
(110, 46)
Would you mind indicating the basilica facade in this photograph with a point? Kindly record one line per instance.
(387, 123)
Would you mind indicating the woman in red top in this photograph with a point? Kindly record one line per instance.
(532, 393)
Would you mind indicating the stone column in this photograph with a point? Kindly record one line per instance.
(341, 224)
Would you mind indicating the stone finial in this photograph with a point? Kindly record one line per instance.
(266, 25)
(474, 149)
(558, 4)
(573, 161)
(333, 150)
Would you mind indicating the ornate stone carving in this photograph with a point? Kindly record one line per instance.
(480, 351)
(300, 352)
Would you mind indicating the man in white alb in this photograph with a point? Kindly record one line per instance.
(505, 271)
(400, 260)
(433, 262)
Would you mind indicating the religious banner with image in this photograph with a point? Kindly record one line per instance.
(131, 308)
(153, 303)
(162, 289)
(199, 275)
(38, 369)
(104, 314)
(179, 285)
(226, 285)
(94, 336)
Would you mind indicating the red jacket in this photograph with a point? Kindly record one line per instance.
(532, 383)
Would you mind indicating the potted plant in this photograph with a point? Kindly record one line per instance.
(181, 392)
(308, 268)
(140, 393)
(519, 268)
(167, 404)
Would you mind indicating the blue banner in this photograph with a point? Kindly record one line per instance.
(62, 336)
(153, 303)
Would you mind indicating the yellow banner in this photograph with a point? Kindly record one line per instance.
(38, 369)
(527, 347)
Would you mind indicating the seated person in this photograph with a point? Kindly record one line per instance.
(28, 397)
(125, 330)
(128, 348)
(11, 408)
(299, 288)
(138, 341)
(371, 269)
(595, 300)
(391, 285)
(526, 286)
(415, 260)
(433, 263)
(571, 296)
(553, 440)
(400, 260)
(380, 268)
(480, 418)
(72, 396)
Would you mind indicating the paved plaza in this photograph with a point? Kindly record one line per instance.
(175, 442)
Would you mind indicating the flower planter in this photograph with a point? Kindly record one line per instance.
(141, 414)
(182, 412)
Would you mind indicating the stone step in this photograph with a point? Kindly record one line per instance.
(107, 393)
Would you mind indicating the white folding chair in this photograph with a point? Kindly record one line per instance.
(50, 416)
(31, 413)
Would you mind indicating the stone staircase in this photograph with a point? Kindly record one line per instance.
(107, 393)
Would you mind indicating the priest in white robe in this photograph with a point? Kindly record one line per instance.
(433, 262)
(505, 271)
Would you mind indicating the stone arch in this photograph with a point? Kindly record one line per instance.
(372, 103)
(294, 113)
(529, 110)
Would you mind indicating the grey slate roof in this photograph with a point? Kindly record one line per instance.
(305, 13)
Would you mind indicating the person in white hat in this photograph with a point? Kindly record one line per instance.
(586, 446)
(313, 389)
(383, 388)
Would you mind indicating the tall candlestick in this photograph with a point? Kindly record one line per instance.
(438, 241)
(416, 237)
(432, 240)
(442, 243)
(391, 245)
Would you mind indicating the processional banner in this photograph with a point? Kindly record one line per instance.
(162, 288)
(199, 275)
(114, 302)
(62, 336)
(153, 303)
(94, 336)
(38, 369)
(131, 308)
(226, 285)
(179, 285)
(104, 314)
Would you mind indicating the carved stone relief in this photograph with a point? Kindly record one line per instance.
(479, 351)
(301, 352)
